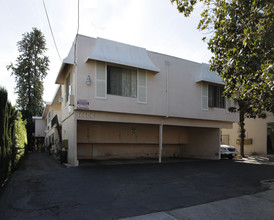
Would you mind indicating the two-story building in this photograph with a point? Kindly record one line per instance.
(39, 133)
(122, 101)
(53, 130)
(259, 134)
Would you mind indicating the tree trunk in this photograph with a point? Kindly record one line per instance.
(242, 131)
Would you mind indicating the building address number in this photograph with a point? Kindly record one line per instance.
(84, 115)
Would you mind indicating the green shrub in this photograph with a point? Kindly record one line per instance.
(13, 135)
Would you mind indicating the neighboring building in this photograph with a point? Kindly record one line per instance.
(259, 136)
(39, 134)
(122, 101)
(53, 130)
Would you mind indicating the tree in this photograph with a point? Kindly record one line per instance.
(240, 36)
(20, 138)
(30, 70)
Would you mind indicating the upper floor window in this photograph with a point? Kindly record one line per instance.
(49, 117)
(68, 87)
(122, 81)
(212, 96)
(215, 96)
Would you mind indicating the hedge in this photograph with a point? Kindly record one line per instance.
(13, 137)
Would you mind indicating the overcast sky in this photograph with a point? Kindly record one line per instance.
(152, 24)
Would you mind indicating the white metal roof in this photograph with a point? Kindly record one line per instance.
(119, 53)
(208, 76)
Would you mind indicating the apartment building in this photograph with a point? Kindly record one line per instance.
(121, 101)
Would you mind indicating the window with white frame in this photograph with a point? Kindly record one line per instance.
(121, 81)
(215, 96)
(68, 86)
(49, 119)
(212, 96)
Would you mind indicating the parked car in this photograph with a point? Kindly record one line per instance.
(228, 151)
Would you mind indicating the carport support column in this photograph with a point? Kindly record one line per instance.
(160, 142)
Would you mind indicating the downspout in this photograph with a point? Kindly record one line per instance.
(167, 82)
(75, 68)
(167, 113)
(76, 162)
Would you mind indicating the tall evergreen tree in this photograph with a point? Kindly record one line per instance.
(30, 70)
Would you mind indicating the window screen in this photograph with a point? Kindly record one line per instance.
(215, 96)
(121, 81)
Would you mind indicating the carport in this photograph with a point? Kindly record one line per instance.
(108, 140)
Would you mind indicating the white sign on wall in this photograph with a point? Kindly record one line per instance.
(83, 104)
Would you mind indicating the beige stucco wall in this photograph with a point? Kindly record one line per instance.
(66, 108)
(172, 92)
(40, 126)
(184, 92)
(256, 129)
(147, 119)
(57, 111)
(54, 109)
(204, 143)
(110, 140)
(108, 151)
(69, 129)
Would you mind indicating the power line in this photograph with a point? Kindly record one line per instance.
(78, 16)
(51, 31)
(75, 45)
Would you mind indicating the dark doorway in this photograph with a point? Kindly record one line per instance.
(270, 138)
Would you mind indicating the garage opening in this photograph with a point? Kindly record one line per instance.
(107, 140)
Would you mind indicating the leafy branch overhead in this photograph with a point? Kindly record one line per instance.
(241, 39)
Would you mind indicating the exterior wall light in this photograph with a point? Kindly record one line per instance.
(88, 80)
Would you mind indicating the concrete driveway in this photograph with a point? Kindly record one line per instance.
(44, 189)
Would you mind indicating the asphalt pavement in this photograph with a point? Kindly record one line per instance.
(176, 189)
(248, 207)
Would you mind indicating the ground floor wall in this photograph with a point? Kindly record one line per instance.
(123, 151)
(52, 141)
(259, 136)
(103, 135)
(69, 128)
(204, 143)
(132, 140)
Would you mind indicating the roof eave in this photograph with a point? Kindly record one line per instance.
(210, 81)
(155, 70)
(62, 74)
